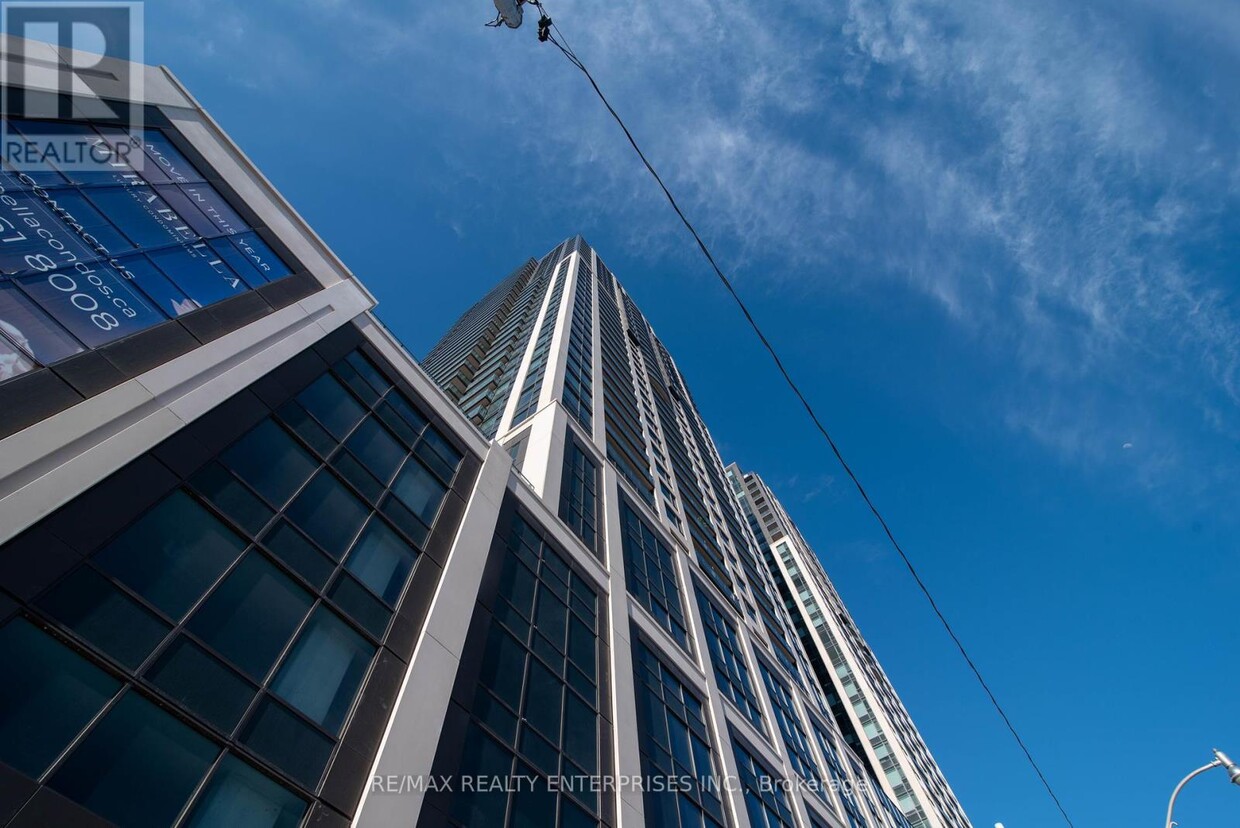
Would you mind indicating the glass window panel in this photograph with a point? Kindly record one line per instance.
(373, 376)
(377, 449)
(322, 674)
(420, 491)
(290, 744)
(221, 218)
(95, 609)
(13, 360)
(202, 683)
(405, 520)
(573, 816)
(185, 209)
(240, 264)
(349, 375)
(173, 554)
(296, 418)
(291, 546)
(228, 495)
(81, 212)
(271, 461)
(47, 702)
(88, 157)
(483, 757)
(238, 796)
(251, 615)
(354, 472)
(539, 751)
(197, 270)
(412, 417)
(168, 161)
(170, 299)
(329, 513)
(544, 700)
(95, 314)
(440, 466)
(580, 733)
(495, 716)
(127, 152)
(332, 405)
(397, 423)
(261, 256)
(382, 561)
(534, 806)
(30, 158)
(359, 604)
(145, 218)
(136, 748)
(27, 223)
(504, 667)
(32, 330)
(447, 457)
(517, 585)
(581, 646)
(551, 618)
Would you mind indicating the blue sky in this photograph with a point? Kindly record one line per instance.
(997, 242)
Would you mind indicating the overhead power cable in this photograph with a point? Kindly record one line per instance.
(561, 44)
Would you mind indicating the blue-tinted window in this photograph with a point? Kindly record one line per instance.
(271, 461)
(30, 329)
(329, 513)
(764, 798)
(650, 573)
(439, 454)
(173, 554)
(136, 748)
(168, 162)
(145, 218)
(171, 299)
(675, 743)
(579, 493)
(49, 693)
(80, 211)
(94, 313)
(286, 741)
(232, 498)
(200, 249)
(321, 675)
(95, 609)
(728, 660)
(790, 726)
(292, 547)
(238, 796)
(419, 490)
(252, 615)
(377, 449)
(197, 270)
(360, 604)
(332, 405)
(382, 561)
(203, 683)
(540, 702)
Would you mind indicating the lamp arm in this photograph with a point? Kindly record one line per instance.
(1171, 806)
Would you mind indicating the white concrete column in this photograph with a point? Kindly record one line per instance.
(412, 735)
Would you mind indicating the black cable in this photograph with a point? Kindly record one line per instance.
(572, 57)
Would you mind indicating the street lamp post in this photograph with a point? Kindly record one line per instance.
(1220, 761)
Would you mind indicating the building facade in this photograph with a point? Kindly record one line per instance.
(865, 706)
(259, 567)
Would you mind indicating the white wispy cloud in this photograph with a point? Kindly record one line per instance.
(1054, 176)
